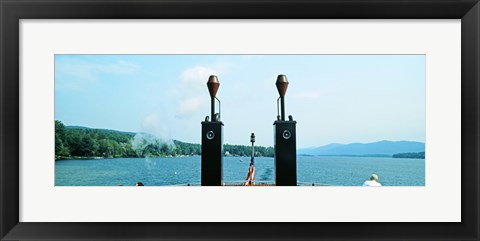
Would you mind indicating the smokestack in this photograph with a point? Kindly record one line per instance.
(213, 85)
(212, 141)
(282, 85)
(285, 158)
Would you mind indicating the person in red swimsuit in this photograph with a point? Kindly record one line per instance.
(250, 180)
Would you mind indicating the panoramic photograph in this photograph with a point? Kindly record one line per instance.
(239, 120)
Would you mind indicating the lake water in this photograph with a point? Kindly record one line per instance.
(321, 170)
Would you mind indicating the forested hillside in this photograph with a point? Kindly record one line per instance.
(81, 142)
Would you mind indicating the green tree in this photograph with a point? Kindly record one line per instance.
(88, 146)
(105, 148)
(61, 147)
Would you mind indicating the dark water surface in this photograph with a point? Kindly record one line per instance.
(341, 171)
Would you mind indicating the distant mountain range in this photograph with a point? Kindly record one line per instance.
(380, 148)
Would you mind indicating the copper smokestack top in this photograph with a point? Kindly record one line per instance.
(213, 85)
(282, 85)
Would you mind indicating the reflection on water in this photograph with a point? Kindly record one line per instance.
(267, 174)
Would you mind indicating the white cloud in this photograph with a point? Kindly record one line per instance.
(190, 106)
(193, 89)
(118, 67)
(79, 74)
(197, 76)
(88, 71)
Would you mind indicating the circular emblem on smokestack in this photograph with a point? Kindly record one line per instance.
(210, 135)
(213, 85)
(282, 84)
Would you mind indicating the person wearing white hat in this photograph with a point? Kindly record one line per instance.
(373, 182)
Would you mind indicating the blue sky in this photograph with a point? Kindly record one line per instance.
(333, 98)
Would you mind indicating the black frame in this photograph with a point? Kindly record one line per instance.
(11, 11)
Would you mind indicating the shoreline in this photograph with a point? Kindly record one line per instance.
(99, 157)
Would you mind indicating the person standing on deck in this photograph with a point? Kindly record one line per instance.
(250, 180)
(373, 182)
